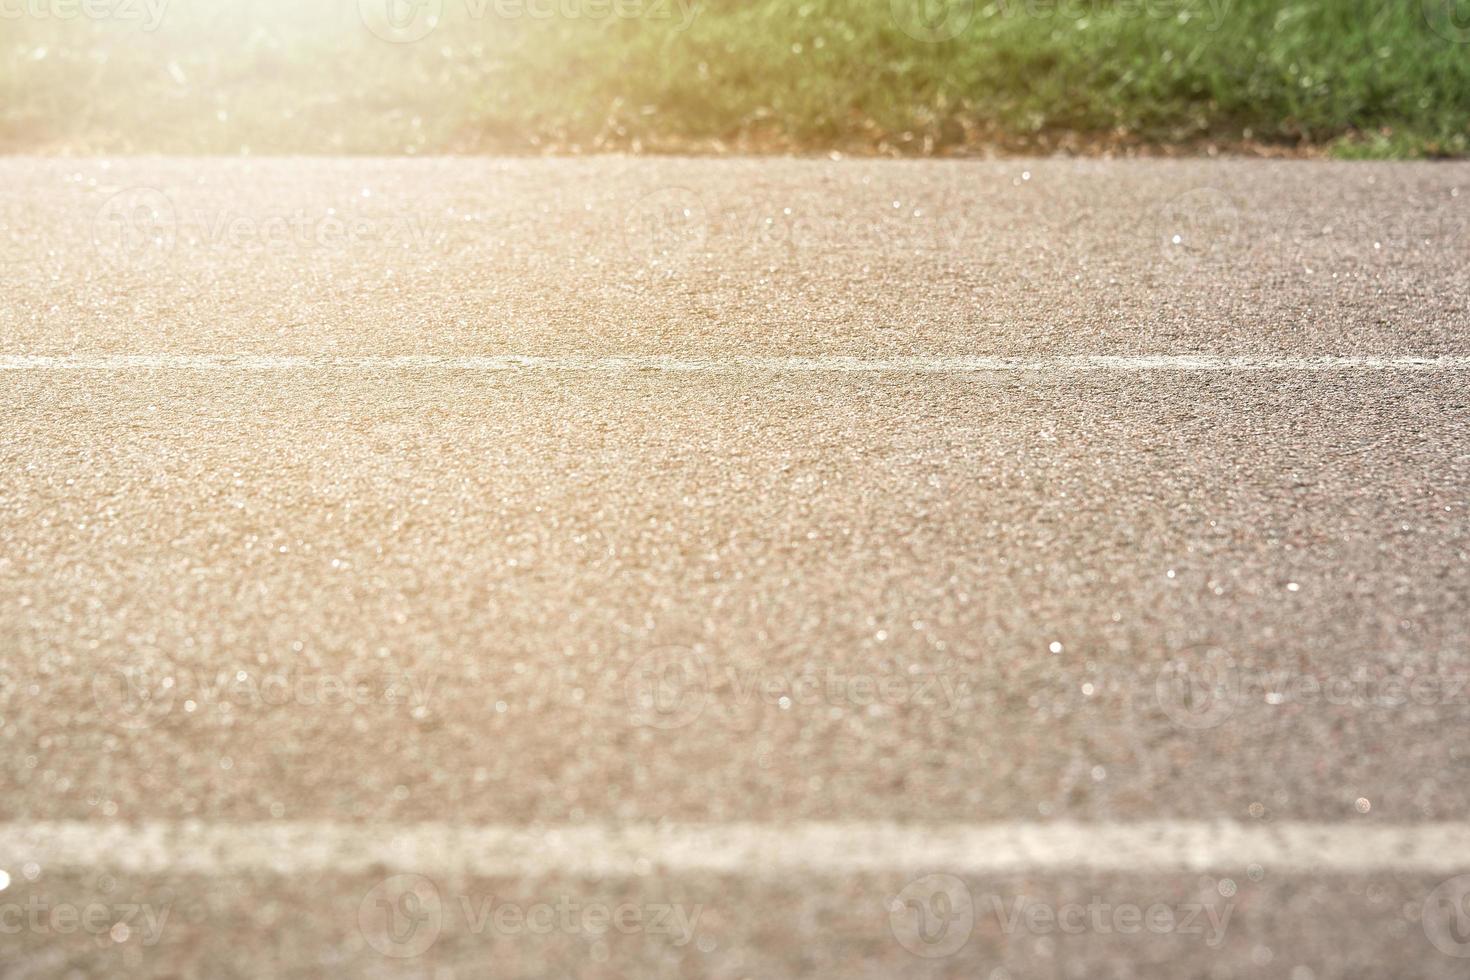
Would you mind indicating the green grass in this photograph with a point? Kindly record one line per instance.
(1356, 78)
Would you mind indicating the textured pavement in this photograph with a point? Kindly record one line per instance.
(748, 543)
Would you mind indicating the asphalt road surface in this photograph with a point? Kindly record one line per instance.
(662, 568)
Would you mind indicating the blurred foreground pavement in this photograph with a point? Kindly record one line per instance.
(734, 568)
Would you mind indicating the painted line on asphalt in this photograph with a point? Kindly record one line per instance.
(661, 363)
(743, 849)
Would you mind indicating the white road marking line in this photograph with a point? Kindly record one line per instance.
(746, 849)
(701, 365)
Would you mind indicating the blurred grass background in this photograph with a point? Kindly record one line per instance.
(1347, 77)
